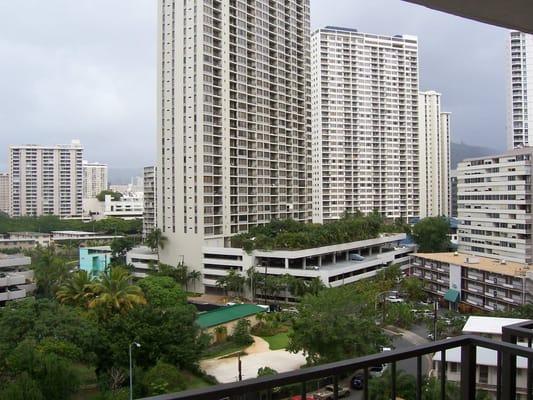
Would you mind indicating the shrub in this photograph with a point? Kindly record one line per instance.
(163, 378)
(241, 333)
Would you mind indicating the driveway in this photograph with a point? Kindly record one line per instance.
(258, 355)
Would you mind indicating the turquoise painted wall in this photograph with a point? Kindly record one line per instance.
(94, 261)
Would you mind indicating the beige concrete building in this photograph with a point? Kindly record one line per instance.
(4, 193)
(234, 146)
(520, 104)
(16, 278)
(150, 200)
(94, 179)
(46, 180)
(494, 206)
(434, 156)
(364, 123)
(471, 283)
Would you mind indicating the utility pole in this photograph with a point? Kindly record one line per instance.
(435, 308)
(239, 367)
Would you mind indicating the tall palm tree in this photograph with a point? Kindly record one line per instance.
(193, 277)
(115, 292)
(156, 240)
(77, 290)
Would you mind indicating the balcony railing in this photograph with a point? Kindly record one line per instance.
(507, 352)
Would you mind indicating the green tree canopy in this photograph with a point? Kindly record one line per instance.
(431, 235)
(162, 291)
(115, 196)
(336, 324)
(167, 334)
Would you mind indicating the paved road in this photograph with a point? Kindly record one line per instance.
(409, 339)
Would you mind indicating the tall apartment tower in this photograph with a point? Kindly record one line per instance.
(4, 193)
(520, 114)
(234, 140)
(94, 179)
(434, 156)
(494, 205)
(46, 180)
(150, 200)
(364, 123)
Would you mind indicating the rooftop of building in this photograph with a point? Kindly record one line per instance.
(488, 325)
(476, 262)
(516, 151)
(411, 38)
(27, 233)
(142, 250)
(227, 314)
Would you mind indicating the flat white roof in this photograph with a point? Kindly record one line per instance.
(484, 356)
(490, 325)
(80, 233)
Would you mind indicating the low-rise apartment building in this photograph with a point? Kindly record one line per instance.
(486, 359)
(16, 279)
(472, 283)
(334, 265)
(143, 259)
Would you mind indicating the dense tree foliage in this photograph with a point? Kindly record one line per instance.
(162, 291)
(49, 223)
(289, 234)
(431, 235)
(335, 324)
(115, 196)
(381, 388)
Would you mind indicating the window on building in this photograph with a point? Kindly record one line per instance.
(483, 374)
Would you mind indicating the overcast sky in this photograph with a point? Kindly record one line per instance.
(85, 69)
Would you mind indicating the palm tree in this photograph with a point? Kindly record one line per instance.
(155, 240)
(193, 277)
(76, 290)
(115, 292)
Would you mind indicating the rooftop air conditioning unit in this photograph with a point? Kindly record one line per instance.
(503, 262)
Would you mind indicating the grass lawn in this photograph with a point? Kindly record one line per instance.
(223, 349)
(278, 341)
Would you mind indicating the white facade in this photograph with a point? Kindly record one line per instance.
(16, 278)
(150, 200)
(434, 156)
(333, 265)
(143, 260)
(364, 123)
(46, 180)
(233, 120)
(94, 179)
(494, 206)
(4, 193)
(130, 206)
(520, 114)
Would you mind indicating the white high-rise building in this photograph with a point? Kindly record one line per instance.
(150, 200)
(434, 156)
(94, 179)
(364, 123)
(520, 114)
(46, 180)
(494, 205)
(234, 143)
(4, 192)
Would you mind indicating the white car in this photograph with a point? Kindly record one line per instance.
(377, 371)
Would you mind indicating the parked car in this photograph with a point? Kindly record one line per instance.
(377, 371)
(356, 257)
(357, 382)
(326, 393)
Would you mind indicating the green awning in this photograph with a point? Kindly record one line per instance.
(452, 296)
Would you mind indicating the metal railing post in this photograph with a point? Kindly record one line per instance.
(508, 372)
(468, 371)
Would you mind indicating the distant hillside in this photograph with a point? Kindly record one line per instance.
(123, 176)
(460, 151)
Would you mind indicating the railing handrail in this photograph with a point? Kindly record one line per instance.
(340, 367)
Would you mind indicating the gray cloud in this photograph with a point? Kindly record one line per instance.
(86, 69)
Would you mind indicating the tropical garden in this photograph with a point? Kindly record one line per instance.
(71, 341)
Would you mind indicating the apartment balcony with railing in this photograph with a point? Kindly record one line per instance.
(504, 384)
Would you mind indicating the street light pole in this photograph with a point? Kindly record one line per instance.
(131, 368)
